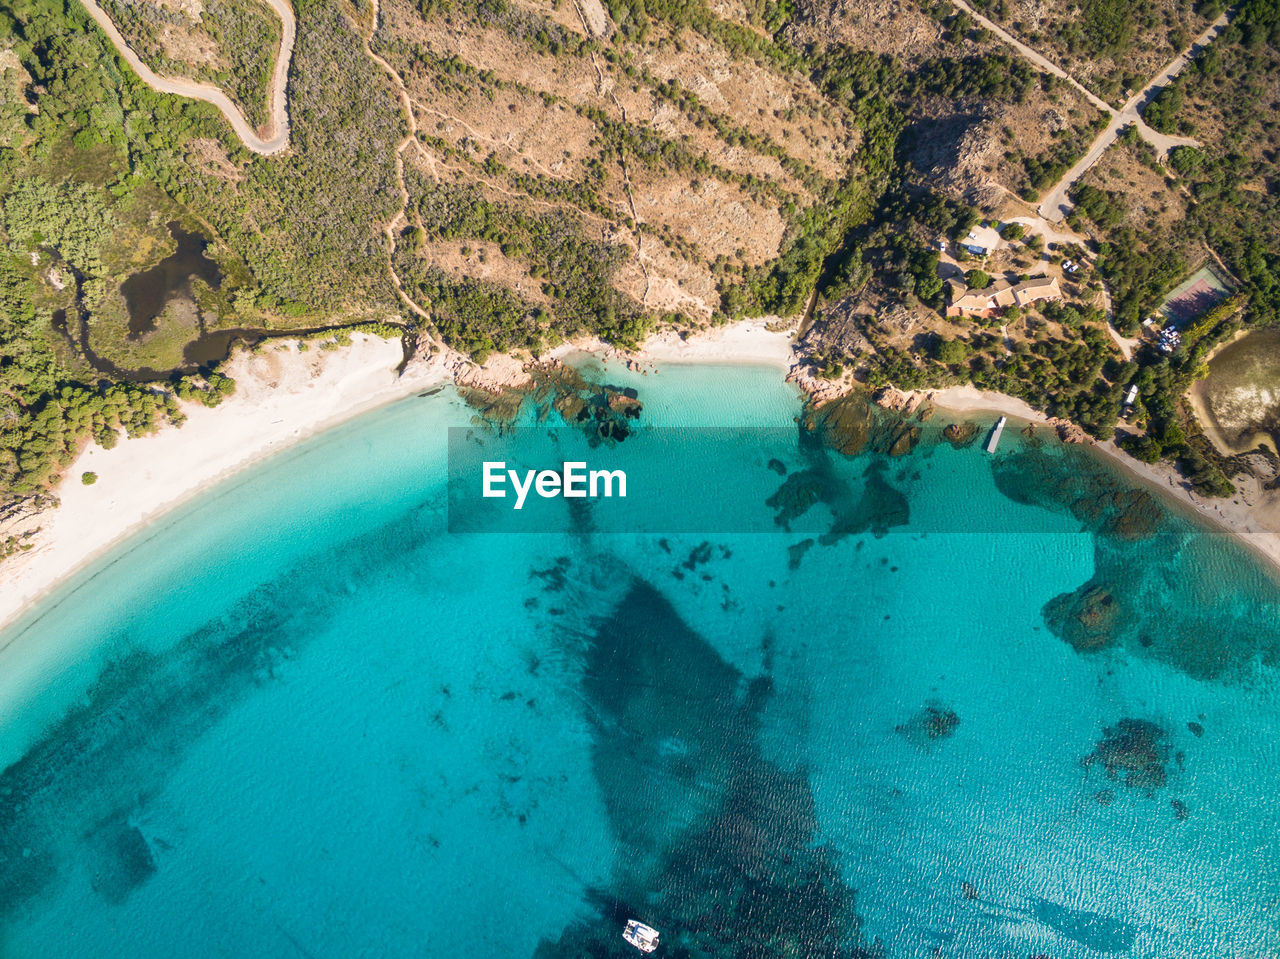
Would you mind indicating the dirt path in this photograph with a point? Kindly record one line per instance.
(410, 139)
(1045, 64)
(270, 138)
(1057, 204)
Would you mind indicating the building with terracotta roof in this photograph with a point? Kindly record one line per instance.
(1000, 295)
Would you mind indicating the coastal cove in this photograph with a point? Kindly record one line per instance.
(298, 707)
(285, 396)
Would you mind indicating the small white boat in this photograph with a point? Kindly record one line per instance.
(644, 938)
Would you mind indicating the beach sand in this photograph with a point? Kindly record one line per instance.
(284, 395)
(755, 342)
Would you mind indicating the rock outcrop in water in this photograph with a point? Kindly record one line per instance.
(961, 435)
(853, 423)
(604, 412)
(843, 424)
(1087, 619)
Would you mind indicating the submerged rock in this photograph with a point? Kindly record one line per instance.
(1087, 619)
(799, 493)
(932, 723)
(961, 435)
(1060, 479)
(1135, 751)
(604, 412)
(901, 441)
(497, 408)
(844, 424)
(796, 551)
(1131, 515)
(121, 857)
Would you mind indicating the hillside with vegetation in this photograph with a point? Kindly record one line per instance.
(1111, 46)
(502, 175)
(229, 43)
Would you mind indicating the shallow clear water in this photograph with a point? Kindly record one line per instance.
(300, 718)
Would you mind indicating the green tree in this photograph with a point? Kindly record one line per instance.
(951, 351)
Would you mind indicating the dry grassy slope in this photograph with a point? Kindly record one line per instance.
(967, 147)
(1235, 114)
(535, 115)
(1152, 205)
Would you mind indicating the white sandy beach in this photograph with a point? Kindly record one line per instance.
(284, 395)
(747, 342)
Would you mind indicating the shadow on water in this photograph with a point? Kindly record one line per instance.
(1098, 932)
(717, 844)
(147, 292)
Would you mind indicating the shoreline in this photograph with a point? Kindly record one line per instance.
(1251, 518)
(285, 395)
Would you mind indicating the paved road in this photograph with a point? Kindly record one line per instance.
(275, 134)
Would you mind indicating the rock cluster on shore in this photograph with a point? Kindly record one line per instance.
(602, 410)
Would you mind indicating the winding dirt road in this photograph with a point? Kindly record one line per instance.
(271, 137)
(1056, 204)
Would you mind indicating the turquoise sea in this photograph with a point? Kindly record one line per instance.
(967, 706)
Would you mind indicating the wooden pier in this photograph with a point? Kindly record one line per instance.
(995, 434)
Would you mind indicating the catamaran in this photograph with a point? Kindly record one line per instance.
(644, 938)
